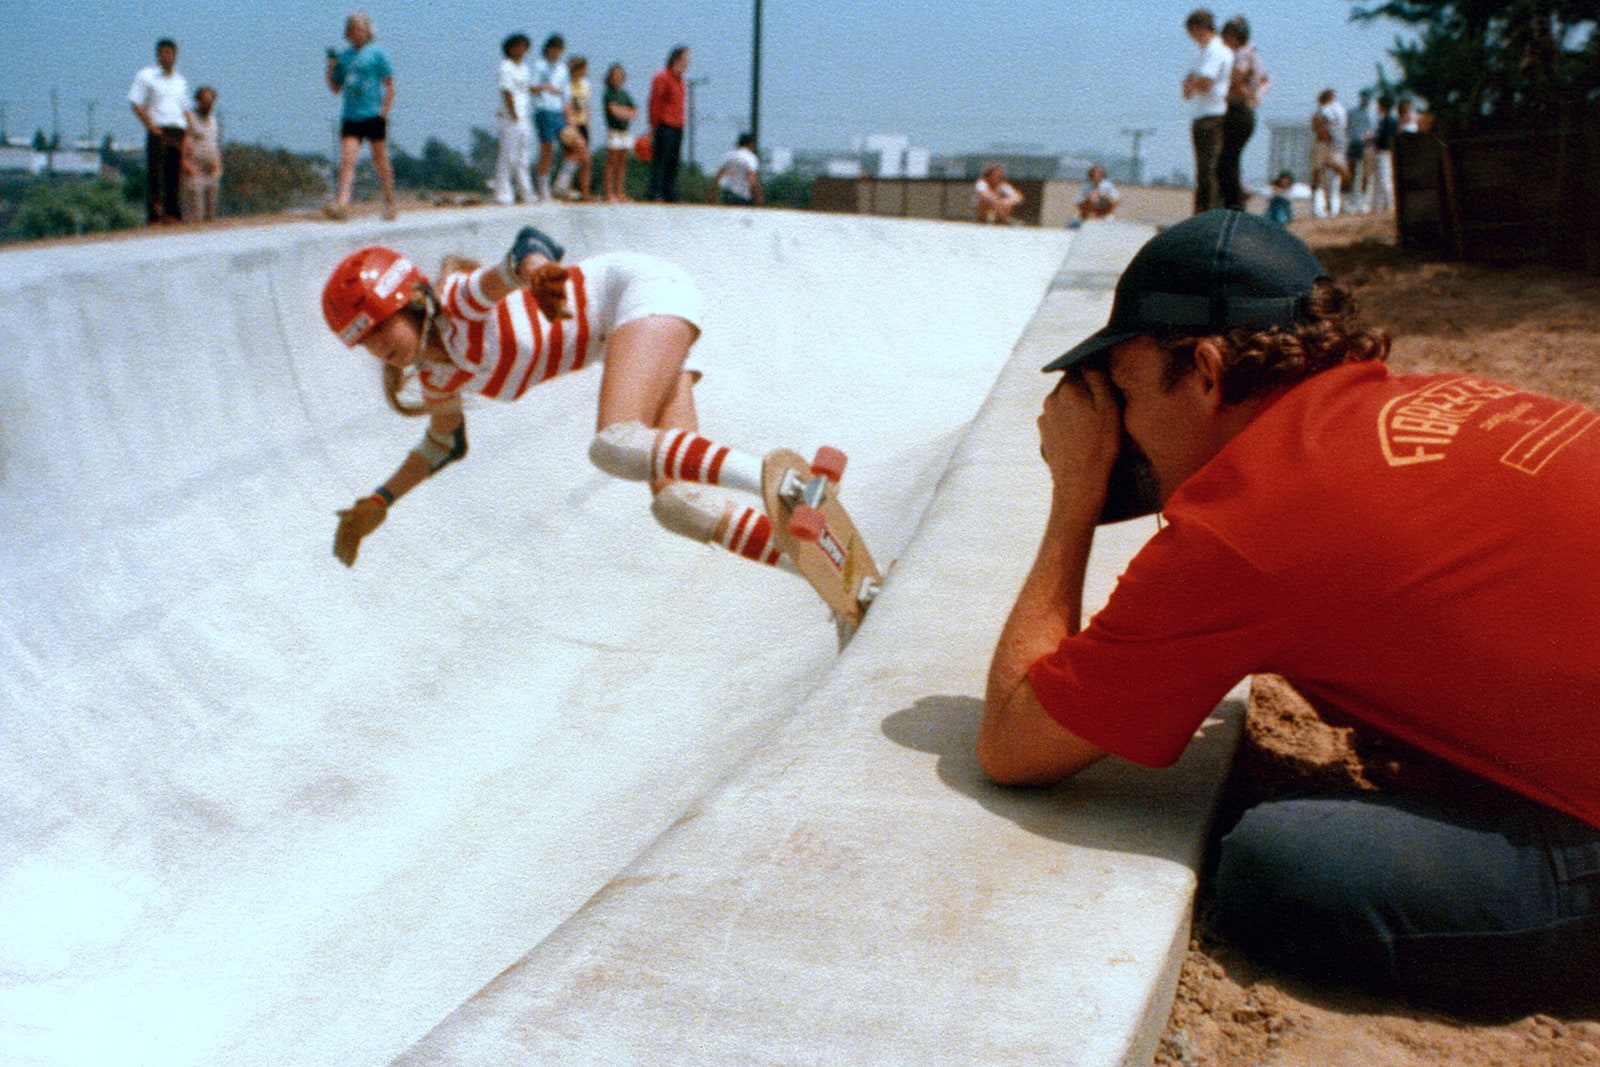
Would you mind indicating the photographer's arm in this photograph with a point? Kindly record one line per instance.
(1018, 742)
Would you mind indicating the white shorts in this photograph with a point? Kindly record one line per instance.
(624, 286)
(618, 140)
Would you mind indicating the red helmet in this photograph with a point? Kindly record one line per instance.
(366, 288)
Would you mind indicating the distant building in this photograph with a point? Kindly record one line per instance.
(1026, 166)
(1289, 149)
(17, 155)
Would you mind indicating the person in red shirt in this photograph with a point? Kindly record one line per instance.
(667, 113)
(1415, 554)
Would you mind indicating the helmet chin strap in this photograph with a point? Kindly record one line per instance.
(430, 311)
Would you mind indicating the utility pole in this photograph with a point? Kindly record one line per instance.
(691, 83)
(88, 106)
(1137, 135)
(755, 79)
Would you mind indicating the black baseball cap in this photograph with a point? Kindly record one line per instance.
(1214, 272)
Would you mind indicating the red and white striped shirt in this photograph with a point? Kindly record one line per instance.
(502, 350)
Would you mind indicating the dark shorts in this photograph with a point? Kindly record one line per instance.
(374, 129)
(729, 198)
(549, 125)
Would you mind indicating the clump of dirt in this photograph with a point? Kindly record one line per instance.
(1532, 326)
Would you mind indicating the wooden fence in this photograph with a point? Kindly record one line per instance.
(1044, 203)
(1512, 195)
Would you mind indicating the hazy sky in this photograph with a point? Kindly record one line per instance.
(953, 75)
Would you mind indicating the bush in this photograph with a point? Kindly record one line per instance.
(440, 168)
(257, 180)
(62, 207)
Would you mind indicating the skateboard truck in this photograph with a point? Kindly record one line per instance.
(808, 523)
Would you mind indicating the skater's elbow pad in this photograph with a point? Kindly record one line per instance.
(625, 450)
(438, 453)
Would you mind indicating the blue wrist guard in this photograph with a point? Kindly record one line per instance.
(529, 241)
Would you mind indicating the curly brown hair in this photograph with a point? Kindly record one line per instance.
(1257, 362)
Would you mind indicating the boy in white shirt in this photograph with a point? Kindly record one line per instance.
(738, 180)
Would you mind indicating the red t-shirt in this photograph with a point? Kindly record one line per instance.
(1419, 553)
(667, 95)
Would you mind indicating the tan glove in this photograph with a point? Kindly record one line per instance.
(549, 285)
(355, 522)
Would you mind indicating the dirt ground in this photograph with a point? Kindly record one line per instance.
(1536, 327)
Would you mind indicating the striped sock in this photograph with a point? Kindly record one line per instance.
(683, 455)
(749, 534)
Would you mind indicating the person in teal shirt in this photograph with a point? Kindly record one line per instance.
(364, 77)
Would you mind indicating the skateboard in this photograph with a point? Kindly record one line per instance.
(813, 528)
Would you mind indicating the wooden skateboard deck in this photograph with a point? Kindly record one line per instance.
(837, 562)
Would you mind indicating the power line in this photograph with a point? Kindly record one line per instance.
(1137, 135)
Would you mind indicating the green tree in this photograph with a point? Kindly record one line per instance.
(1502, 60)
(259, 180)
(484, 151)
(439, 167)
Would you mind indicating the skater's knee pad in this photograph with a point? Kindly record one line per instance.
(690, 510)
(624, 450)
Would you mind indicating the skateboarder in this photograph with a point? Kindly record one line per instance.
(498, 330)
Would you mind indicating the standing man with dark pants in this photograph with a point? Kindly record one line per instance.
(160, 98)
(668, 101)
(1206, 89)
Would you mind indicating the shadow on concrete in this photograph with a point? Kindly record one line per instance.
(1115, 805)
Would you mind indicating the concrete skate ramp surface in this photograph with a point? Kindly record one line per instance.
(261, 809)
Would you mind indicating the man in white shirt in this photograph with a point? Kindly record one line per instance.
(160, 98)
(738, 180)
(1206, 89)
(513, 179)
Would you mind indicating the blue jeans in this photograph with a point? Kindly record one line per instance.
(1492, 909)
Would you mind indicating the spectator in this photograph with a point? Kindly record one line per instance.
(994, 198)
(160, 98)
(1329, 170)
(620, 112)
(1247, 82)
(738, 180)
(1383, 137)
(1206, 89)
(550, 105)
(1099, 199)
(1361, 154)
(575, 136)
(668, 99)
(499, 330)
(1408, 551)
(513, 167)
(202, 159)
(364, 77)
(1280, 209)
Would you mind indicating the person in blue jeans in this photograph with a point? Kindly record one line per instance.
(363, 76)
(1413, 553)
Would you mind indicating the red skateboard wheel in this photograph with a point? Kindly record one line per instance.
(807, 523)
(829, 463)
